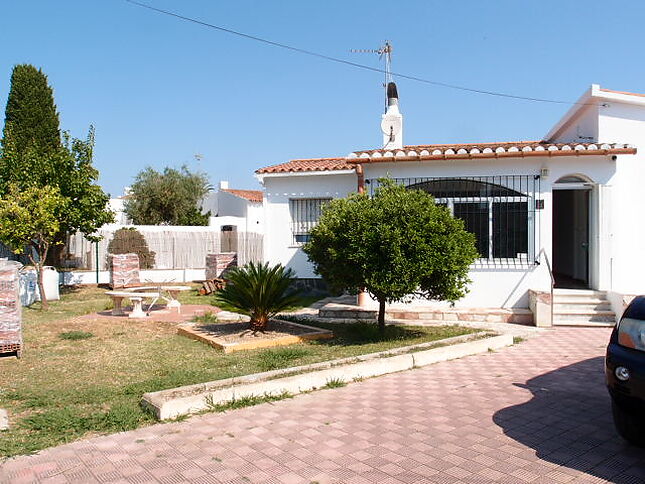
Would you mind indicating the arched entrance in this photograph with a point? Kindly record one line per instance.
(570, 231)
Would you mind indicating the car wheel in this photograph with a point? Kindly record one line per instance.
(630, 427)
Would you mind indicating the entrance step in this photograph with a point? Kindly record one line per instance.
(585, 324)
(582, 307)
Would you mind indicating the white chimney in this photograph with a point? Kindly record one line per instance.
(223, 185)
(392, 122)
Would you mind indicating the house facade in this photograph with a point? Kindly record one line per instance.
(564, 208)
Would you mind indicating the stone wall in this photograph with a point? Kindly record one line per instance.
(124, 270)
(10, 312)
(218, 264)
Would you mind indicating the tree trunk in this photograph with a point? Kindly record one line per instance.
(41, 286)
(381, 315)
(41, 249)
(259, 324)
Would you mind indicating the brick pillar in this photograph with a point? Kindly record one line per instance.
(124, 270)
(10, 311)
(218, 264)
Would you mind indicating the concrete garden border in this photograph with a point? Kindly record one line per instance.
(192, 330)
(186, 400)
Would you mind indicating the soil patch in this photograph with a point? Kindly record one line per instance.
(238, 336)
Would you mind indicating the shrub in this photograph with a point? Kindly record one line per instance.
(258, 291)
(129, 240)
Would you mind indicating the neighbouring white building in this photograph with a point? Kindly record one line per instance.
(570, 201)
(235, 210)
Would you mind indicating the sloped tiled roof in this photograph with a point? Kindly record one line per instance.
(251, 195)
(506, 149)
(311, 164)
(517, 149)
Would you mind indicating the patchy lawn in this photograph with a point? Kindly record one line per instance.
(80, 377)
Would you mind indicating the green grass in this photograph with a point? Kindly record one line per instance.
(65, 389)
(75, 335)
(247, 401)
(335, 383)
(206, 318)
(273, 359)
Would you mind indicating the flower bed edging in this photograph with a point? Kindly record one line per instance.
(172, 403)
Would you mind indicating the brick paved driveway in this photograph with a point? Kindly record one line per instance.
(536, 412)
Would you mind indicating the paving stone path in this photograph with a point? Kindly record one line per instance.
(536, 412)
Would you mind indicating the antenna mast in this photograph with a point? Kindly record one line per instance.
(384, 53)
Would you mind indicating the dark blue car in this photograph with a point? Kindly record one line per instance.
(625, 371)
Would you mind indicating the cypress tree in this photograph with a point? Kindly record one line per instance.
(31, 119)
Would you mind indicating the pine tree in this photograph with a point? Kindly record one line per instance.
(31, 119)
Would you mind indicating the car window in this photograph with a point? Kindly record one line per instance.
(631, 333)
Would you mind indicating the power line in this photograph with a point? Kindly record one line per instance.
(346, 62)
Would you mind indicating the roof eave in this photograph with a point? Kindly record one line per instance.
(507, 154)
(305, 173)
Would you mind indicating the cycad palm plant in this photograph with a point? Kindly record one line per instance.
(258, 291)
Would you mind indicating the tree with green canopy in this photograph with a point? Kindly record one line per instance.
(171, 197)
(395, 245)
(31, 119)
(35, 154)
(29, 222)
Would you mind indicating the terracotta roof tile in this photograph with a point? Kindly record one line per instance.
(505, 149)
(251, 195)
(311, 164)
(519, 149)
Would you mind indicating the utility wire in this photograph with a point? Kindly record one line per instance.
(346, 62)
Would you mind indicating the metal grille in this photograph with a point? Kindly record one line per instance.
(305, 213)
(500, 210)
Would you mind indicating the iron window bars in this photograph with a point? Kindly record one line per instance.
(500, 210)
(305, 213)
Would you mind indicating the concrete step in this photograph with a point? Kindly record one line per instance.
(579, 293)
(564, 299)
(582, 306)
(582, 316)
(585, 324)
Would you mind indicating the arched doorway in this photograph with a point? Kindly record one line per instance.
(570, 231)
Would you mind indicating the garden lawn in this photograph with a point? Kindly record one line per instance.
(81, 377)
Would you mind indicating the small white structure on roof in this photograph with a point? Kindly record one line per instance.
(570, 199)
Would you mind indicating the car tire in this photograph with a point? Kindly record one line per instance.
(630, 427)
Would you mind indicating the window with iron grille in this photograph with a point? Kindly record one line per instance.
(499, 210)
(305, 213)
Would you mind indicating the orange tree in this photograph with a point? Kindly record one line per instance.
(395, 245)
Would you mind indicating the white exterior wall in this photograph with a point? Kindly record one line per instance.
(506, 286)
(230, 209)
(617, 118)
(278, 190)
(117, 205)
(626, 124)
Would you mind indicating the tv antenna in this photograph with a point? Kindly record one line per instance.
(385, 54)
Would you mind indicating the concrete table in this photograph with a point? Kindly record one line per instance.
(137, 302)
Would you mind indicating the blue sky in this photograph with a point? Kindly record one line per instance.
(160, 90)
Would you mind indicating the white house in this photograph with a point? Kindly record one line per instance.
(235, 210)
(570, 201)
